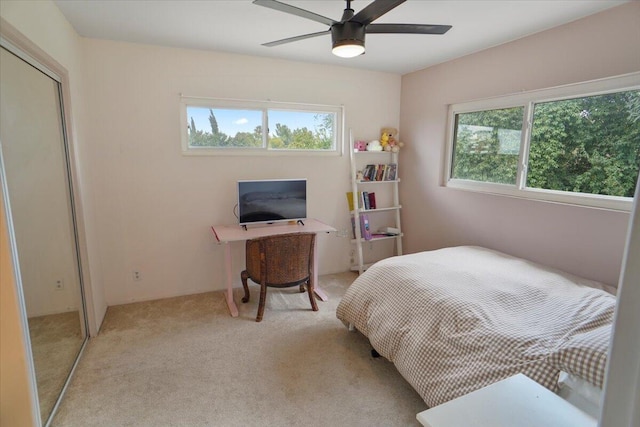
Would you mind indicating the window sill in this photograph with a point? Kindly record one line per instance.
(224, 152)
(612, 203)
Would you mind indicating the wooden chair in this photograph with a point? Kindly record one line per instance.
(280, 261)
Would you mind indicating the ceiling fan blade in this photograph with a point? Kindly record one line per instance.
(294, 39)
(407, 29)
(375, 10)
(283, 7)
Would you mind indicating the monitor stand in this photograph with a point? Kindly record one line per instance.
(244, 226)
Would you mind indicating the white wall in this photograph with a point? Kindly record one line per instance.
(42, 24)
(584, 241)
(155, 206)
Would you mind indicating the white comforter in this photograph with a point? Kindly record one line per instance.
(458, 319)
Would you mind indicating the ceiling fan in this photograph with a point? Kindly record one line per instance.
(347, 35)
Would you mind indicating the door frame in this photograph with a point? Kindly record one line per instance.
(11, 39)
(16, 43)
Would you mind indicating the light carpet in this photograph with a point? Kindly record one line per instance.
(185, 362)
(56, 340)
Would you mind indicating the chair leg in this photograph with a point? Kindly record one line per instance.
(312, 297)
(302, 288)
(244, 276)
(263, 297)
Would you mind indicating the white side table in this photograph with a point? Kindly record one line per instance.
(517, 401)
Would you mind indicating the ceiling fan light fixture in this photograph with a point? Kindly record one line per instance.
(348, 39)
(348, 48)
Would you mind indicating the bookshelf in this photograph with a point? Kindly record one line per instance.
(383, 212)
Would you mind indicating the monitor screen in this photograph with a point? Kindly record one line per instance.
(264, 201)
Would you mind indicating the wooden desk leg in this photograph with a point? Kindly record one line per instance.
(233, 309)
(319, 292)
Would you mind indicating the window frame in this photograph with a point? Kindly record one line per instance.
(263, 107)
(528, 99)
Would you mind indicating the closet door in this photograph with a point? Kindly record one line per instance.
(37, 187)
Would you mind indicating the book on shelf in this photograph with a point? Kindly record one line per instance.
(372, 200)
(389, 231)
(368, 173)
(379, 172)
(365, 200)
(379, 235)
(392, 172)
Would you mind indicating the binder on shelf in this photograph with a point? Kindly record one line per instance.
(353, 226)
(365, 228)
(350, 201)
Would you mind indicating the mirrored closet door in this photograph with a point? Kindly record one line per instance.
(37, 186)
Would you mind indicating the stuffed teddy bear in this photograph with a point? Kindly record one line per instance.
(360, 146)
(384, 139)
(392, 144)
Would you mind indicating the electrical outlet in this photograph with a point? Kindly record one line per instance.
(59, 284)
(137, 276)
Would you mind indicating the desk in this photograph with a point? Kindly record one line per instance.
(235, 233)
(517, 401)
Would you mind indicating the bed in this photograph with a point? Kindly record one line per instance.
(457, 319)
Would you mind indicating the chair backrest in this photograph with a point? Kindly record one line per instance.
(284, 258)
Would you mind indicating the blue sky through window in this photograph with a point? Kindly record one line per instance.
(232, 121)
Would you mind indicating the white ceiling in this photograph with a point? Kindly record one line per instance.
(241, 27)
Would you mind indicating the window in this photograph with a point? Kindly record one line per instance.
(487, 145)
(576, 144)
(218, 126)
(586, 145)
